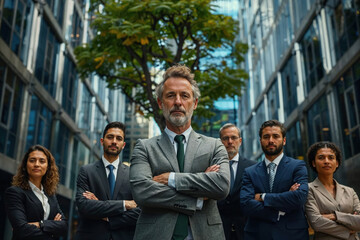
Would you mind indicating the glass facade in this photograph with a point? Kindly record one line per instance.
(312, 70)
(42, 99)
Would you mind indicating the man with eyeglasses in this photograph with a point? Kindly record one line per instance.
(229, 208)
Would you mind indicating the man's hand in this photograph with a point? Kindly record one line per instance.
(294, 187)
(330, 216)
(162, 178)
(258, 197)
(130, 204)
(213, 168)
(90, 195)
(36, 224)
(57, 217)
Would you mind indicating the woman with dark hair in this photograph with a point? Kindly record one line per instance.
(30, 202)
(332, 209)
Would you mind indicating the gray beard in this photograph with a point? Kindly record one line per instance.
(177, 121)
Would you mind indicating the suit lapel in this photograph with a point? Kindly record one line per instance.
(100, 170)
(280, 173)
(36, 201)
(263, 176)
(191, 149)
(239, 172)
(168, 150)
(119, 179)
(322, 190)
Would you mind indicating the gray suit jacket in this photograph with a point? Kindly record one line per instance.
(161, 204)
(344, 205)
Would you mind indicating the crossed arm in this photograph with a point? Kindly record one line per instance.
(154, 192)
(108, 210)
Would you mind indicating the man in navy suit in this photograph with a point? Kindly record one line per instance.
(229, 208)
(103, 197)
(275, 190)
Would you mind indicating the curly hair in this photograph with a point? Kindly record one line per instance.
(178, 71)
(49, 181)
(313, 149)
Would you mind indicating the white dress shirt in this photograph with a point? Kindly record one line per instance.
(39, 193)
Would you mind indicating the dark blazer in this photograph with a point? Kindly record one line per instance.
(229, 207)
(263, 222)
(22, 206)
(121, 224)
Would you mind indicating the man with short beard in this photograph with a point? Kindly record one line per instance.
(103, 197)
(232, 217)
(275, 190)
(177, 177)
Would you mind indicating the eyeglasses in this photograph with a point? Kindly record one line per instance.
(233, 138)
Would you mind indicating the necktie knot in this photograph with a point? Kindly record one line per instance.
(272, 166)
(179, 138)
(110, 167)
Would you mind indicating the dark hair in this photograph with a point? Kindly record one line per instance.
(178, 71)
(313, 149)
(49, 181)
(228, 125)
(119, 125)
(273, 123)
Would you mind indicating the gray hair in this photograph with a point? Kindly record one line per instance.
(229, 125)
(178, 71)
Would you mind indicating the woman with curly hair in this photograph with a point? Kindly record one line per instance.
(332, 209)
(30, 202)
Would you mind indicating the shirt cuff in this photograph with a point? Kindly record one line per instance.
(281, 213)
(199, 203)
(124, 206)
(171, 180)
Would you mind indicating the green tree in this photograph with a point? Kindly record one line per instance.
(136, 40)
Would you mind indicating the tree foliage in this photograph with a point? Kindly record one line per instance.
(136, 40)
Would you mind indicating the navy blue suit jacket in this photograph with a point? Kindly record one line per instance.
(263, 222)
(22, 206)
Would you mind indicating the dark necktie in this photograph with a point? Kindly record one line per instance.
(232, 175)
(271, 175)
(111, 179)
(181, 227)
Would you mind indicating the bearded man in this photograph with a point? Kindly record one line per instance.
(275, 190)
(103, 196)
(177, 177)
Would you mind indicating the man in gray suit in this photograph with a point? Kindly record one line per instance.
(231, 215)
(103, 197)
(177, 177)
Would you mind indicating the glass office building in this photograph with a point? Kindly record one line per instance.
(42, 99)
(304, 67)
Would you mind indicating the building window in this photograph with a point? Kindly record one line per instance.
(344, 24)
(11, 94)
(15, 21)
(77, 29)
(61, 148)
(313, 59)
(69, 84)
(318, 122)
(294, 146)
(289, 83)
(47, 57)
(273, 101)
(39, 129)
(57, 8)
(348, 100)
(84, 119)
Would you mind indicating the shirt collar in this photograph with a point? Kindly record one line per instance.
(35, 188)
(276, 160)
(172, 135)
(114, 163)
(236, 158)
